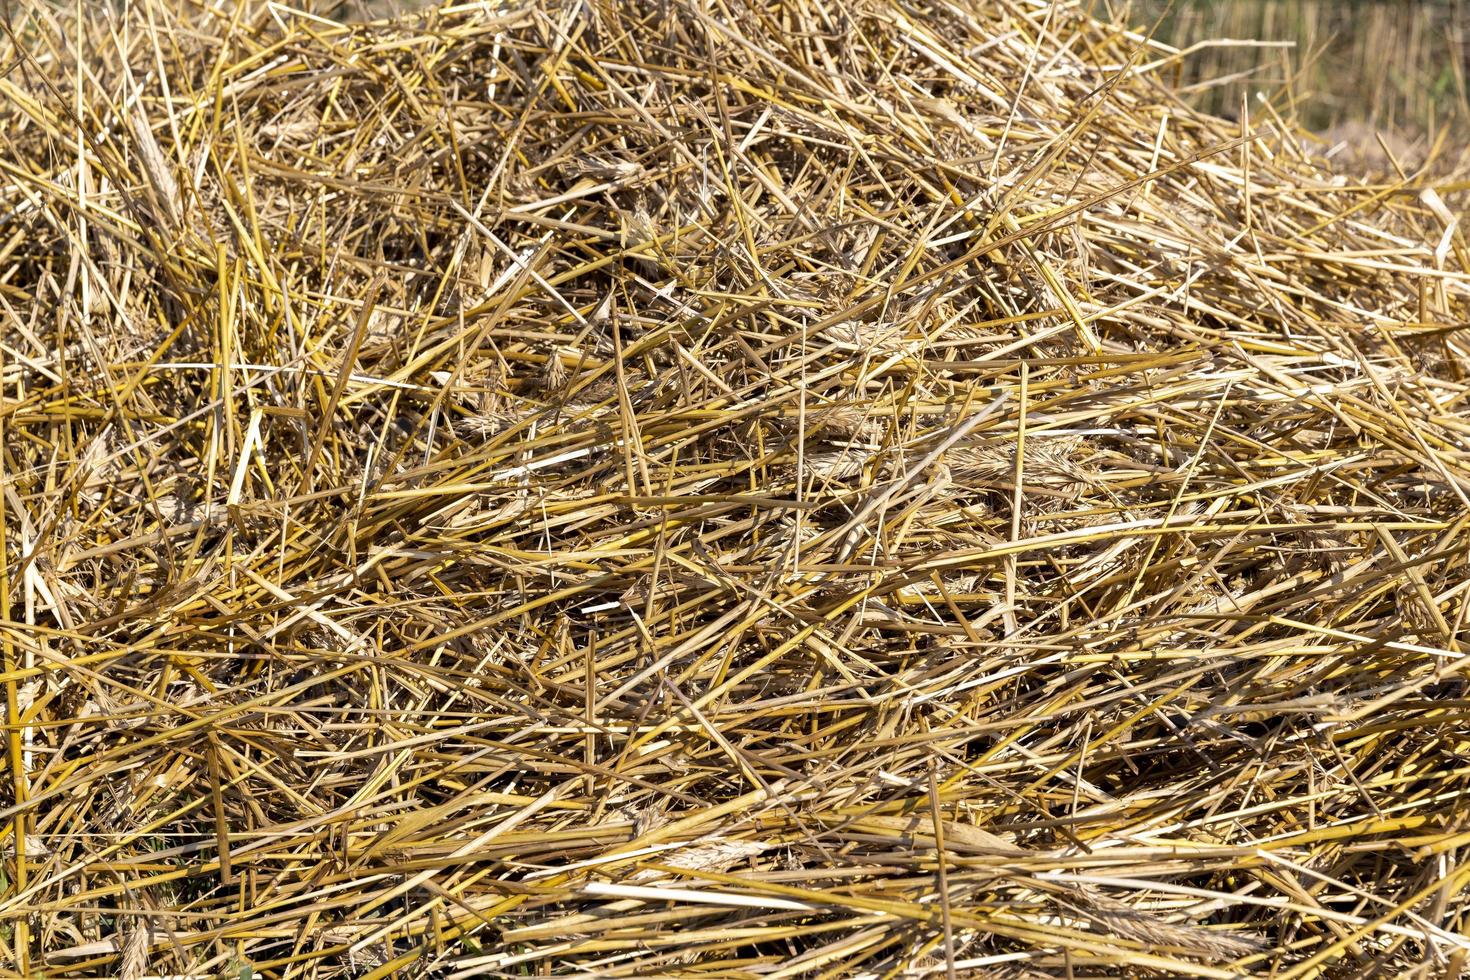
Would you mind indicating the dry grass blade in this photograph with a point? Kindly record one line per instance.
(593, 489)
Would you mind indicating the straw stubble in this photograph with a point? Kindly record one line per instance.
(598, 489)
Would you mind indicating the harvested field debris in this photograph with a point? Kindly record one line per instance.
(607, 489)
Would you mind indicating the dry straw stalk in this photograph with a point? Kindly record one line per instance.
(594, 488)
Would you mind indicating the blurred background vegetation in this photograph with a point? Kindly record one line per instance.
(1395, 65)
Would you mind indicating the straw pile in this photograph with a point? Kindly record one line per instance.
(705, 489)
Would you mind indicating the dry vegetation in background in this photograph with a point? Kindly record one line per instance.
(1367, 65)
(716, 490)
